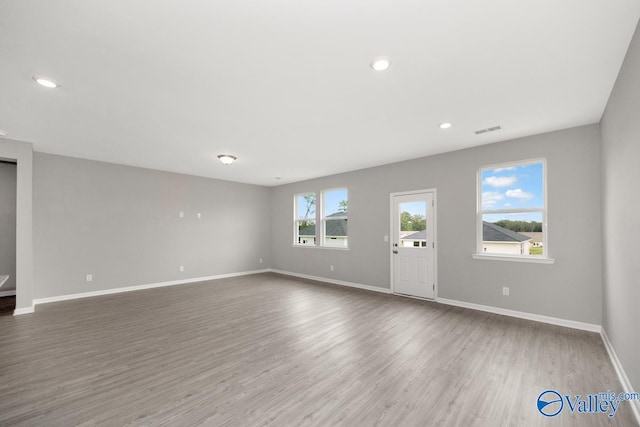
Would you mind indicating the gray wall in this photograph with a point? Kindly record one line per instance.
(620, 128)
(22, 153)
(570, 289)
(8, 193)
(122, 225)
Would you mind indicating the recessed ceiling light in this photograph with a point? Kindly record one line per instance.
(445, 125)
(46, 82)
(380, 63)
(227, 159)
(3, 133)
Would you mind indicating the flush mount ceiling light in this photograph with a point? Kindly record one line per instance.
(227, 159)
(445, 125)
(380, 63)
(46, 82)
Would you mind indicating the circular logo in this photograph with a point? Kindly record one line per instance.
(550, 403)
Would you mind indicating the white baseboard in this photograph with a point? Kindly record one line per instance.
(505, 312)
(622, 375)
(333, 281)
(141, 287)
(25, 310)
(522, 315)
(7, 293)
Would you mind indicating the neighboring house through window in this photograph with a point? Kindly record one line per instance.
(512, 211)
(416, 240)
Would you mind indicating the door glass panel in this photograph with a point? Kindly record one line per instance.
(413, 224)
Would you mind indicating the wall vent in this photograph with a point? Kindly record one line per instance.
(491, 129)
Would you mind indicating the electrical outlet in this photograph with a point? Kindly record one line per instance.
(386, 238)
(182, 268)
(505, 291)
(260, 260)
(89, 277)
(331, 267)
(199, 215)
(181, 214)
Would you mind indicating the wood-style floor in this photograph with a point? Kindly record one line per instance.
(271, 350)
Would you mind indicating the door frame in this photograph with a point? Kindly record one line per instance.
(22, 153)
(434, 192)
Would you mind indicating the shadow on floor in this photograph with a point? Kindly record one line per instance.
(7, 305)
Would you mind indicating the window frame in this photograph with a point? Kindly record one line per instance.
(480, 212)
(319, 220)
(296, 219)
(323, 218)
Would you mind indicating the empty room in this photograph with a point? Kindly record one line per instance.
(319, 213)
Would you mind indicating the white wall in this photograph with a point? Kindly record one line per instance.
(621, 213)
(121, 224)
(570, 289)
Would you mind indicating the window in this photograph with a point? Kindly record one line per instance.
(332, 217)
(512, 212)
(305, 219)
(413, 224)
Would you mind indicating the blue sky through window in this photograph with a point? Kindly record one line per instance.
(516, 187)
(332, 200)
(414, 208)
(304, 208)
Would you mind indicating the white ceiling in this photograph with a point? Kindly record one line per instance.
(286, 86)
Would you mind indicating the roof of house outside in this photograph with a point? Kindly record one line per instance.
(419, 235)
(495, 233)
(536, 236)
(335, 228)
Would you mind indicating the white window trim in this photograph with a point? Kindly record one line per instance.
(330, 248)
(514, 258)
(544, 259)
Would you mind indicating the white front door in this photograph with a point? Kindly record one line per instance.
(413, 244)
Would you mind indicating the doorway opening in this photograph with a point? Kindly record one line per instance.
(8, 216)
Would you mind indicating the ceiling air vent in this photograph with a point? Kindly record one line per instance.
(491, 129)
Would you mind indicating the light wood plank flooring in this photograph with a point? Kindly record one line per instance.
(271, 350)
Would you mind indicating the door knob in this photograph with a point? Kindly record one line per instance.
(395, 251)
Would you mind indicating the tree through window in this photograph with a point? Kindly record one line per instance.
(305, 219)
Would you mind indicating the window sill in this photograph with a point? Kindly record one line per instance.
(334, 248)
(513, 258)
